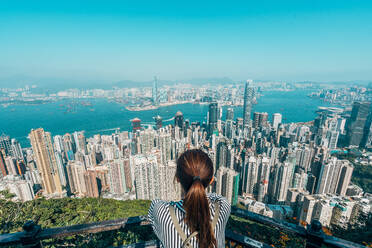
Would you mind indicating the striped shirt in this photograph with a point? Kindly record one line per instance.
(163, 227)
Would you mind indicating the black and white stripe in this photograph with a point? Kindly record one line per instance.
(161, 221)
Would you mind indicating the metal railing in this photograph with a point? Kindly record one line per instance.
(33, 234)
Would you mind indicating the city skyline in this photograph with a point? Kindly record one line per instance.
(298, 172)
(290, 40)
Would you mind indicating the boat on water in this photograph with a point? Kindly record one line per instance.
(86, 103)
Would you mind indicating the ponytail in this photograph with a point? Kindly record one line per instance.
(195, 172)
(198, 216)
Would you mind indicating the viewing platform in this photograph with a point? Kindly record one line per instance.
(314, 237)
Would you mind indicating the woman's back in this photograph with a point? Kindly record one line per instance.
(163, 226)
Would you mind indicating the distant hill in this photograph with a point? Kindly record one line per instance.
(193, 81)
(55, 84)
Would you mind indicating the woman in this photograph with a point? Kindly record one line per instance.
(199, 219)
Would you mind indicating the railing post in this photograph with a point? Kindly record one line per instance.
(315, 235)
(30, 238)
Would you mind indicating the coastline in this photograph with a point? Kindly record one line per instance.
(153, 107)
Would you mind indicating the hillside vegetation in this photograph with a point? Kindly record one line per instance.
(68, 211)
(362, 176)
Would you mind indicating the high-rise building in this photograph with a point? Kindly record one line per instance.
(334, 177)
(259, 119)
(69, 146)
(276, 120)
(92, 183)
(146, 177)
(230, 114)
(282, 181)
(158, 122)
(229, 129)
(248, 98)
(250, 174)
(356, 123)
(155, 97)
(21, 188)
(10, 163)
(45, 160)
(178, 120)
(16, 149)
(58, 143)
(310, 186)
(128, 173)
(82, 143)
(344, 178)
(323, 212)
(212, 118)
(167, 189)
(75, 172)
(228, 184)
(136, 124)
(3, 167)
(5, 143)
(307, 209)
(221, 156)
(116, 175)
(263, 177)
(61, 168)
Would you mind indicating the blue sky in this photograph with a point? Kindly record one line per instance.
(176, 40)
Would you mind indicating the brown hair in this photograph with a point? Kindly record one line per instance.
(195, 172)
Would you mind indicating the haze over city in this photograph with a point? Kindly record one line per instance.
(130, 40)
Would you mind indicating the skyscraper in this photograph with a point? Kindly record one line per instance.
(221, 157)
(146, 177)
(344, 178)
(282, 181)
(230, 114)
(136, 124)
(276, 120)
(116, 175)
(155, 98)
(356, 123)
(307, 209)
(5, 144)
(75, 172)
(158, 122)
(212, 118)
(259, 119)
(228, 184)
(178, 119)
(3, 169)
(45, 160)
(250, 174)
(247, 108)
(16, 149)
(334, 177)
(92, 183)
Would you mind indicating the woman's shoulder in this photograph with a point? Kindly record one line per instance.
(213, 197)
(159, 204)
(158, 209)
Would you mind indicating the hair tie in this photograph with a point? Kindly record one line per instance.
(196, 178)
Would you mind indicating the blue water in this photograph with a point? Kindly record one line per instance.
(18, 120)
